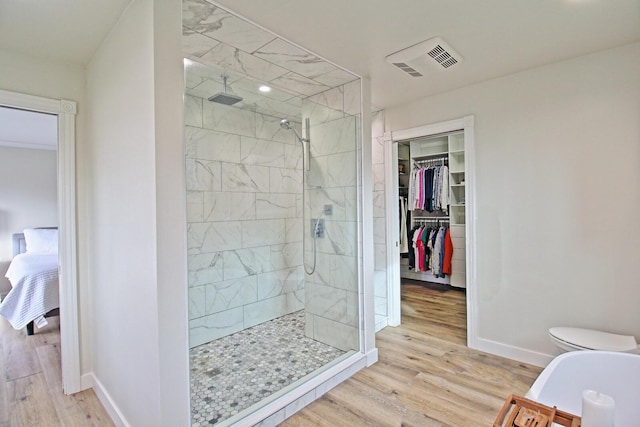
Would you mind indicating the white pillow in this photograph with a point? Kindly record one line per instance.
(41, 240)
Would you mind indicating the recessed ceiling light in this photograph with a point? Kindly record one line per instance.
(187, 62)
(264, 88)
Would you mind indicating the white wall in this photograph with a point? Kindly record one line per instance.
(28, 197)
(136, 212)
(171, 215)
(41, 77)
(558, 195)
(59, 80)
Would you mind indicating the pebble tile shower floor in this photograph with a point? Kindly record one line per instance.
(234, 372)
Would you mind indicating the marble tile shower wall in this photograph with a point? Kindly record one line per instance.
(331, 293)
(244, 208)
(379, 220)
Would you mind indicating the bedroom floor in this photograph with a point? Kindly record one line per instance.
(232, 373)
(31, 383)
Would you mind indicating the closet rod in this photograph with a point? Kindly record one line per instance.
(438, 159)
(442, 218)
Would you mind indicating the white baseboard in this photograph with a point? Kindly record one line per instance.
(109, 405)
(515, 353)
(87, 381)
(372, 357)
(381, 322)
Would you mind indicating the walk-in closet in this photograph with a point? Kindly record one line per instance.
(432, 245)
(431, 202)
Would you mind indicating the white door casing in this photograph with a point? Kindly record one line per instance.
(67, 253)
(391, 212)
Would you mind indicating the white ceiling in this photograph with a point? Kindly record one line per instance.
(495, 37)
(67, 30)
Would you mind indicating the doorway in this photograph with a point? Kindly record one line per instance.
(69, 324)
(453, 141)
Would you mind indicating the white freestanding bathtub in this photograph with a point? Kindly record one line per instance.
(561, 383)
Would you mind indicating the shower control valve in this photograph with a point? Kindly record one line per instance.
(317, 227)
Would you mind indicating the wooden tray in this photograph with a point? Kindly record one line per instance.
(518, 411)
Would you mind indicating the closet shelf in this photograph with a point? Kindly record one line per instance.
(457, 152)
(426, 156)
(458, 185)
(456, 171)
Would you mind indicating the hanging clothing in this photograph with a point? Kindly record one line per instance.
(404, 245)
(411, 254)
(435, 258)
(416, 251)
(441, 236)
(427, 201)
(431, 250)
(427, 251)
(448, 252)
(429, 189)
(445, 197)
(413, 190)
(421, 187)
(420, 247)
(432, 181)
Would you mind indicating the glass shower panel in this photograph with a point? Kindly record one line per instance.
(331, 292)
(244, 189)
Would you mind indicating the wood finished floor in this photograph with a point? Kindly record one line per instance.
(425, 375)
(31, 385)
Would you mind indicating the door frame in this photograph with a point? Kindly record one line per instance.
(393, 239)
(66, 111)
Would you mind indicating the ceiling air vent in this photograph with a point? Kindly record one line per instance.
(442, 56)
(404, 67)
(417, 59)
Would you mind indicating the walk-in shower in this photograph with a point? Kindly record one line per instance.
(266, 312)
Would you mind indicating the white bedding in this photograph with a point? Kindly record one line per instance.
(34, 281)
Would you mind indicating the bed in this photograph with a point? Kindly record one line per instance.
(33, 274)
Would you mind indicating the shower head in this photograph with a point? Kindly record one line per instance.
(305, 142)
(285, 124)
(224, 97)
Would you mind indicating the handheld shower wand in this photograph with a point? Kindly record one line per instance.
(286, 124)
